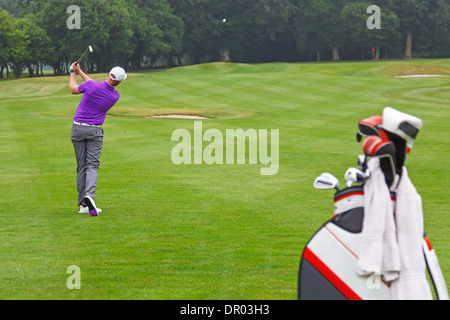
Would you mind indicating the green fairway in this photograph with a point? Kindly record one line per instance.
(201, 231)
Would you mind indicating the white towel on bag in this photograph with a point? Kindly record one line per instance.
(379, 252)
(392, 245)
(412, 283)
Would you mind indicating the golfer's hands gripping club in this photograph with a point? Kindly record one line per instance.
(75, 68)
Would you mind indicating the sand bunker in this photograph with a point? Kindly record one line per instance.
(422, 76)
(179, 116)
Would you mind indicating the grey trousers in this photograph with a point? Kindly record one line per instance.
(87, 142)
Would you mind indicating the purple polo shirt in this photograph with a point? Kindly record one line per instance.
(98, 98)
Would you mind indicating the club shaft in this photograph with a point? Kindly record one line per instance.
(82, 55)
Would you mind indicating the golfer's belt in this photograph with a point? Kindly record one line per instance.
(87, 124)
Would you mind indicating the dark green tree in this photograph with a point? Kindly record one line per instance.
(354, 15)
(433, 40)
(239, 30)
(319, 24)
(201, 26)
(413, 16)
(10, 6)
(158, 33)
(13, 43)
(38, 46)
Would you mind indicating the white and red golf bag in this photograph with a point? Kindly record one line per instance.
(330, 260)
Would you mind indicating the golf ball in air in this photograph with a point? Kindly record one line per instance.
(224, 20)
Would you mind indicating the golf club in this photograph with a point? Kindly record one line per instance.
(353, 175)
(88, 49)
(362, 162)
(326, 181)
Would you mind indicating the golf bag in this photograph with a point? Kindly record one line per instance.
(328, 266)
(328, 263)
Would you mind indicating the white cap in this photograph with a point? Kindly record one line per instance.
(404, 125)
(117, 74)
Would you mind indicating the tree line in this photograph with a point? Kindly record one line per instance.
(164, 33)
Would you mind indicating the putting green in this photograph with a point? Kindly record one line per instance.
(201, 231)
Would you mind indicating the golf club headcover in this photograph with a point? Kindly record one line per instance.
(402, 129)
(375, 146)
(396, 127)
(369, 127)
(405, 126)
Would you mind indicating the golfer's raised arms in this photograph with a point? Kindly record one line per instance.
(74, 70)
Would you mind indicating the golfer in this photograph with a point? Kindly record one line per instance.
(87, 132)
